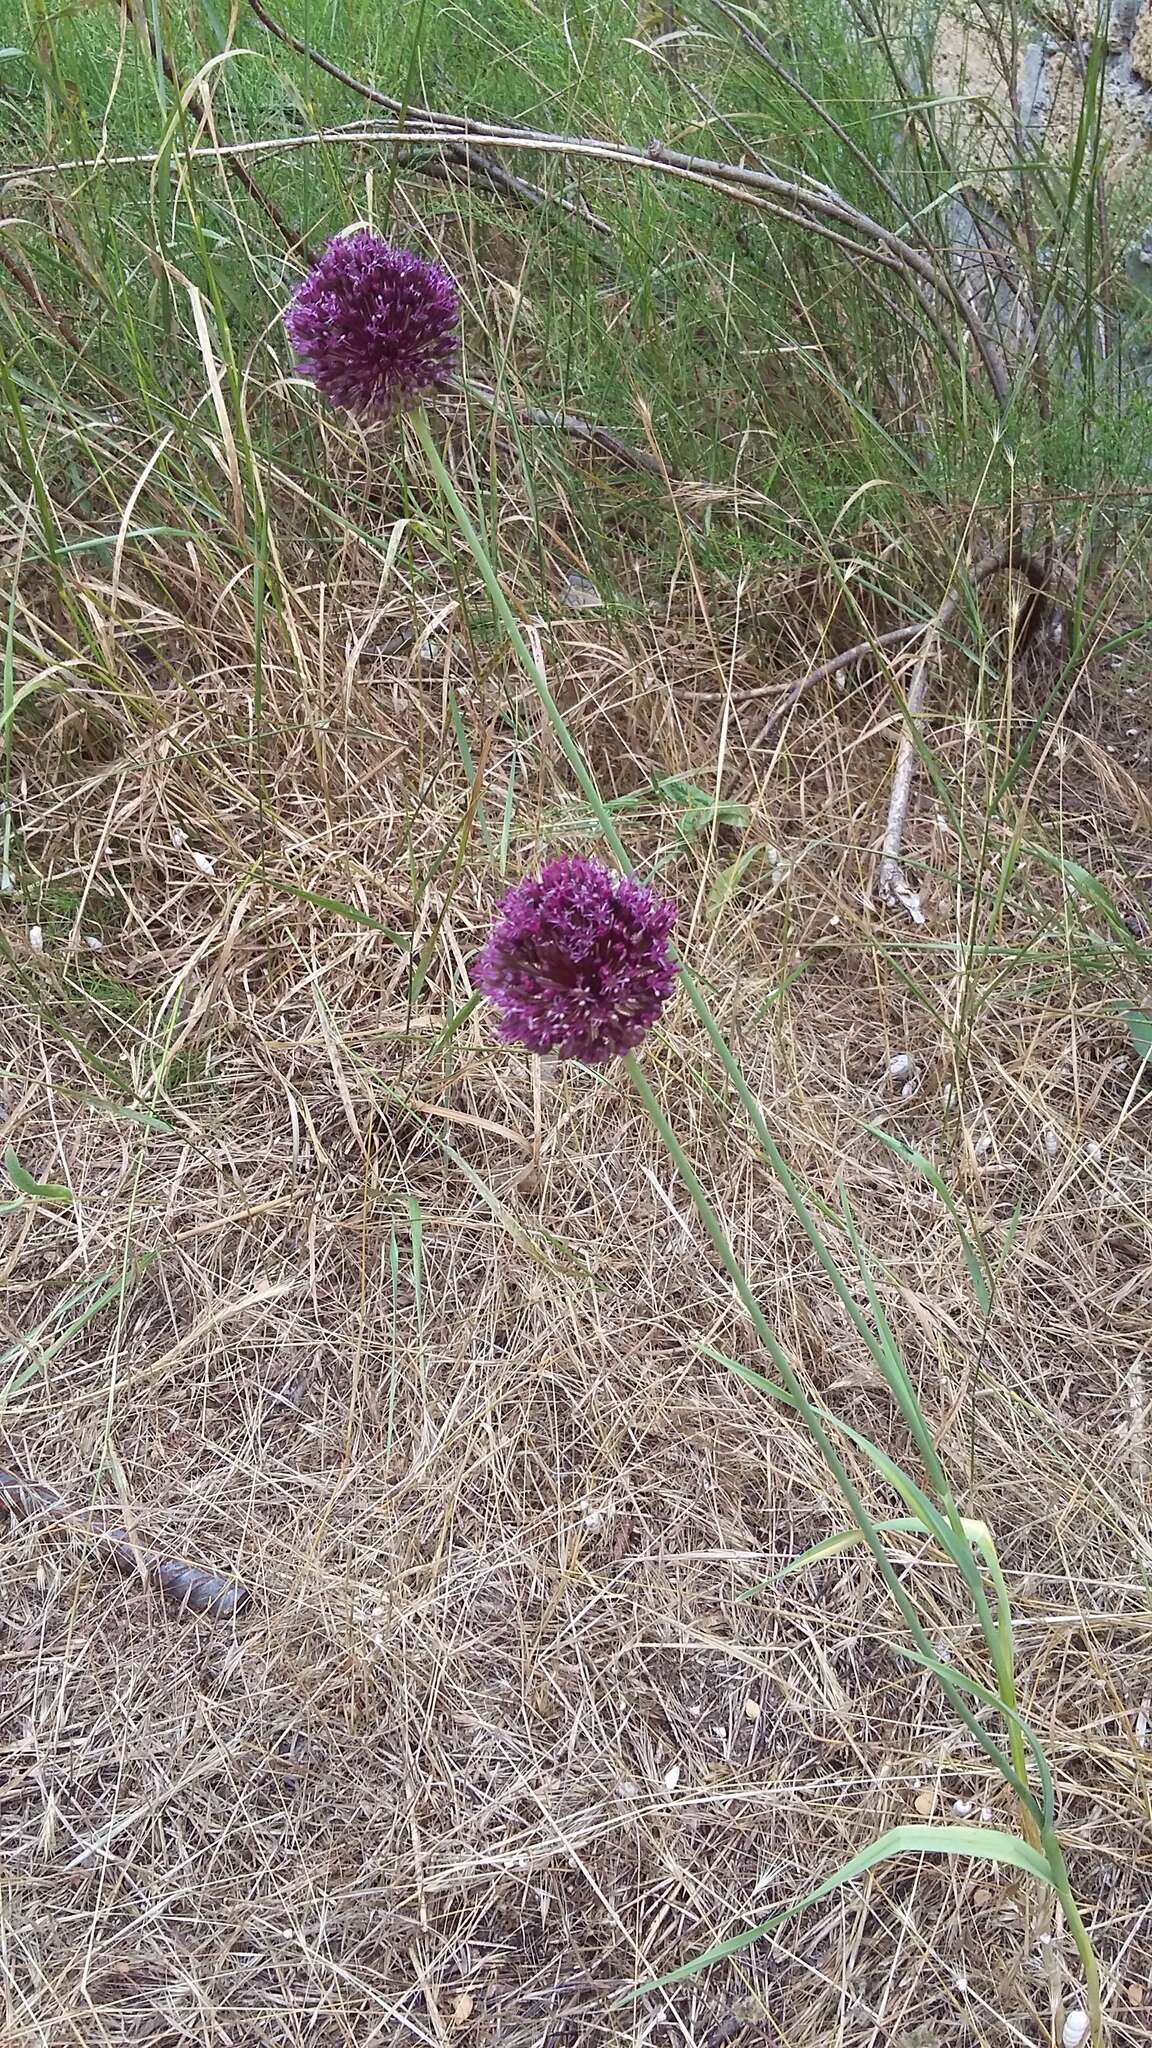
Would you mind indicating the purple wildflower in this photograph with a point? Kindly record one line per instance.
(577, 963)
(375, 328)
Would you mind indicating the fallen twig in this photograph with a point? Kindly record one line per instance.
(897, 636)
(571, 423)
(892, 885)
(475, 162)
(186, 1586)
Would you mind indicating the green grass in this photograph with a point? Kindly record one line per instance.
(763, 355)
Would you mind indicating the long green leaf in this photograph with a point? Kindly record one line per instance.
(336, 907)
(989, 1698)
(36, 1190)
(845, 1539)
(993, 1845)
(977, 1266)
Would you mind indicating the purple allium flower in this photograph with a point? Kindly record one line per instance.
(577, 963)
(375, 328)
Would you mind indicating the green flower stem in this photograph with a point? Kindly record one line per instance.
(779, 1165)
(997, 1631)
(776, 1160)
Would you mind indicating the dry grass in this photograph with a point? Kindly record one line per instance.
(408, 1337)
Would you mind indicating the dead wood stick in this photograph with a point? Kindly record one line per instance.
(465, 155)
(892, 885)
(186, 1586)
(571, 423)
(897, 636)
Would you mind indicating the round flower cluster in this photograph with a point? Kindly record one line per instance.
(578, 962)
(374, 328)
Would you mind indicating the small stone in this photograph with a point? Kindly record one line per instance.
(204, 862)
(94, 943)
(463, 2007)
(751, 1710)
(672, 1778)
(924, 1802)
(36, 938)
(577, 594)
(900, 1067)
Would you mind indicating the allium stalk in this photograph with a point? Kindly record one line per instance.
(941, 1522)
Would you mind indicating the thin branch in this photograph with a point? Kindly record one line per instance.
(571, 423)
(898, 636)
(785, 197)
(473, 161)
(892, 885)
(187, 1587)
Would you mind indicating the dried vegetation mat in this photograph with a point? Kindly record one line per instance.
(419, 1345)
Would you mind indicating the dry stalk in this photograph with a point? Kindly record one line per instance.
(892, 885)
(188, 1587)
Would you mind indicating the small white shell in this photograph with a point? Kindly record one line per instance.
(1076, 2030)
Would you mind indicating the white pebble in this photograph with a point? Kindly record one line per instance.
(36, 938)
(1077, 2028)
(178, 836)
(672, 1778)
(93, 942)
(962, 1808)
(203, 861)
(900, 1067)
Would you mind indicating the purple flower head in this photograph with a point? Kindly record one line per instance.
(375, 328)
(577, 963)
